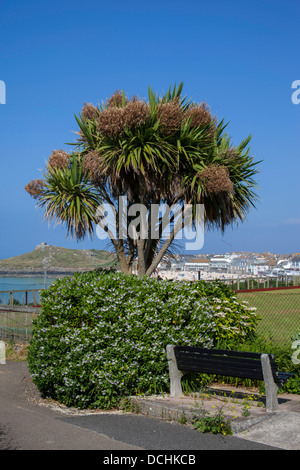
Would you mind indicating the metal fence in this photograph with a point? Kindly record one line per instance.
(16, 322)
(248, 283)
(278, 309)
(18, 308)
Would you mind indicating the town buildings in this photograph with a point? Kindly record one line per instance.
(235, 264)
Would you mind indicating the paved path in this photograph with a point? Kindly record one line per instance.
(27, 424)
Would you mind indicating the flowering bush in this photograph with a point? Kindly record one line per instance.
(102, 336)
(233, 318)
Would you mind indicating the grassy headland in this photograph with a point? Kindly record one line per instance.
(56, 259)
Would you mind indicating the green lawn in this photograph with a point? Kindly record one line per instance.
(279, 311)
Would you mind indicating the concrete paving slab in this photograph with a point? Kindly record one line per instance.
(281, 430)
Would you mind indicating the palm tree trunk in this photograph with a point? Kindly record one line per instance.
(178, 226)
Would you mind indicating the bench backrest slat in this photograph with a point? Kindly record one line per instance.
(216, 352)
(220, 362)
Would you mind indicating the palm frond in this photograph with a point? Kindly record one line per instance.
(69, 198)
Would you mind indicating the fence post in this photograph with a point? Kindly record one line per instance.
(26, 321)
(11, 298)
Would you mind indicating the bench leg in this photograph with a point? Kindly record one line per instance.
(270, 385)
(175, 373)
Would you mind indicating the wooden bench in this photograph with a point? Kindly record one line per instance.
(183, 359)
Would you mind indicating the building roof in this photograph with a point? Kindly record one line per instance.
(198, 260)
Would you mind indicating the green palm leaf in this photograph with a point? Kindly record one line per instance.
(69, 198)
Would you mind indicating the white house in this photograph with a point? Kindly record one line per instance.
(220, 263)
(198, 264)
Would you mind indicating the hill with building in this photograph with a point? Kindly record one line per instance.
(54, 259)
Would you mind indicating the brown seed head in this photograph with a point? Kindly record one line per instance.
(116, 100)
(216, 179)
(230, 153)
(92, 166)
(200, 115)
(89, 111)
(136, 113)
(170, 115)
(58, 159)
(34, 188)
(111, 122)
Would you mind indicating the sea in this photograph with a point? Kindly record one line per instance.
(22, 283)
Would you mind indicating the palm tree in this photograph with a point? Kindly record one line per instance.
(167, 150)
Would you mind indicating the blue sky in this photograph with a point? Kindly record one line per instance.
(239, 57)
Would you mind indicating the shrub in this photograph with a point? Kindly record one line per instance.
(102, 336)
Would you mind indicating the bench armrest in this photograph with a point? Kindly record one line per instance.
(175, 373)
